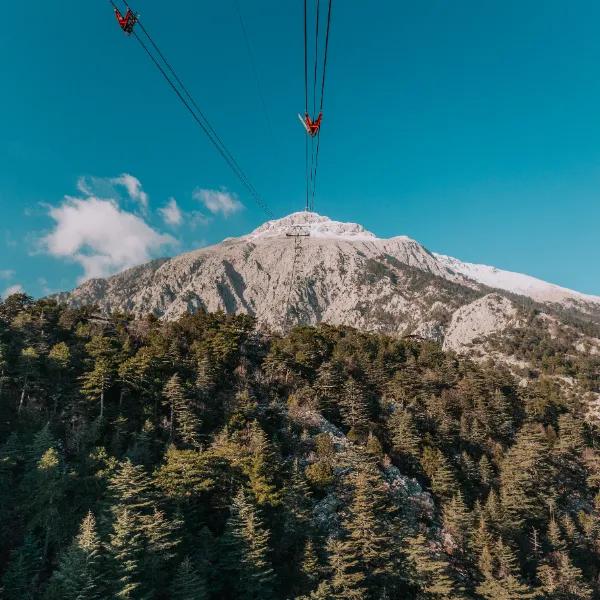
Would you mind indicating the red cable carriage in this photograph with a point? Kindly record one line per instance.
(126, 22)
(312, 127)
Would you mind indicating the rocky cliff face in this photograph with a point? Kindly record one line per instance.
(307, 269)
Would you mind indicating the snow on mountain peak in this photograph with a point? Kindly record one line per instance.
(315, 225)
(517, 283)
(321, 227)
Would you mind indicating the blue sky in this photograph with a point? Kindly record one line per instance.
(473, 127)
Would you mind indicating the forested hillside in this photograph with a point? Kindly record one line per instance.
(198, 459)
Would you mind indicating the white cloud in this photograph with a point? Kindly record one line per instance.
(196, 218)
(105, 187)
(101, 237)
(171, 213)
(134, 188)
(84, 186)
(219, 201)
(6, 274)
(13, 289)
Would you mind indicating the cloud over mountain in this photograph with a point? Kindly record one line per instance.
(219, 201)
(134, 188)
(171, 213)
(101, 237)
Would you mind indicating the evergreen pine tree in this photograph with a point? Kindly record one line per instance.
(126, 550)
(354, 407)
(526, 479)
(160, 542)
(493, 510)
(44, 487)
(329, 384)
(184, 424)
(458, 524)
(571, 434)
(297, 500)
(188, 584)
(132, 487)
(482, 537)
(43, 440)
(407, 383)
(347, 580)
(98, 379)
(28, 369)
(136, 373)
(20, 580)
(206, 371)
(571, 533)
(310, 565)
(369, 528)
(430, 571)
(262, 469)
(405, 439)
(486, 473)
(555, 535)
(561, 580)
(79, 575)
(501, 575)
(323, 592)
(443, 480)
(502, 420)
(59, 360)
(245, 551)
(469, 469)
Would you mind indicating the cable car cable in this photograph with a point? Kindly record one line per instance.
(314, 162)
(200, 118)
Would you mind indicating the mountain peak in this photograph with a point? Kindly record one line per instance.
(314, 224)
(341, 273)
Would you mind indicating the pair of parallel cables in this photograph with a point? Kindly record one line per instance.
(313, 95)
(312, 126)
(129, 23)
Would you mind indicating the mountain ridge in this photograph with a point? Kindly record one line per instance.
(511, 281)
(332, 272)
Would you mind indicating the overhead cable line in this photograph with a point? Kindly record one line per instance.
(186, 98)
(313, 124)
(306, 95)
(318, 14)
(322, 101)
(306, 55)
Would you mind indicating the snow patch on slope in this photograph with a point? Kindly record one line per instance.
(517, 283)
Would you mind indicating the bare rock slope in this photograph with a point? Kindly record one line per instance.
(338, 273)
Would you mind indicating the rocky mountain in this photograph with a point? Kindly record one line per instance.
(306, 268)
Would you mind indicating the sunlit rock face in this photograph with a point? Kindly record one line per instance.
(306, 269)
